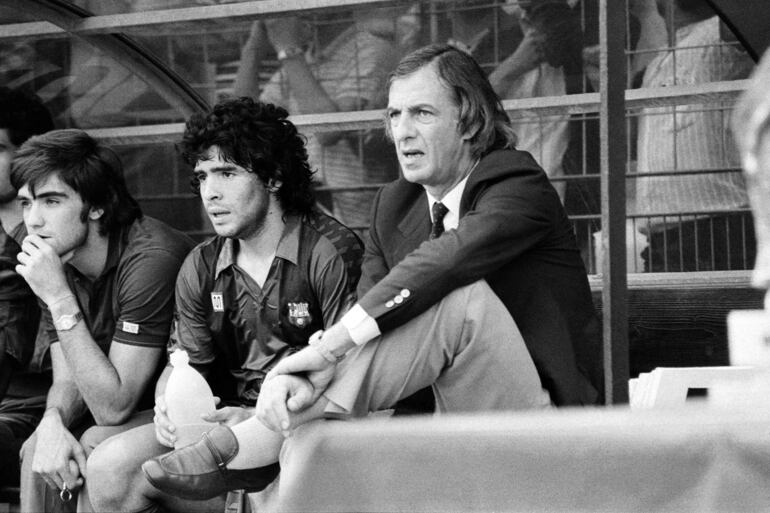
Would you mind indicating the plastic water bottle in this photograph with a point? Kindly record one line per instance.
(188, 396)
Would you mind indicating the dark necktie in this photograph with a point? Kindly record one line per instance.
(439, 211)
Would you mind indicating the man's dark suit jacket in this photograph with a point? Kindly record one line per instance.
(513, 232)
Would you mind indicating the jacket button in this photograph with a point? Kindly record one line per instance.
(406, 293)
(389, 304)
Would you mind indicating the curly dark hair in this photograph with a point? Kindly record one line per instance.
(259, 138)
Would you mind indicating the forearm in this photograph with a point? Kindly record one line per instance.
(65, 401)
(247, 78)
(514, 66)
(96, 378)
(310, 96)
(337, 340)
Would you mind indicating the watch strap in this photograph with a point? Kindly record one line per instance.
(67, 322)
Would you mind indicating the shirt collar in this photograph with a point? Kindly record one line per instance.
(451, 201)
(288, 246)
(114, 249)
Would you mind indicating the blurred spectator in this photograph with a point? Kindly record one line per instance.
(751, 126)
(541, 42)
(24, 366)
(22, 389)
(548, 56)
(483, 30)
(538, 53)
(652, 35)
(348, 73)
(700, 232)
(21, 117)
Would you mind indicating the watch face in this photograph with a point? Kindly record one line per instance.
(67, 322)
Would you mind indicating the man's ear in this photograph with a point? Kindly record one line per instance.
(471, 129)
(273, 185)
(471, 132)
(95, 214)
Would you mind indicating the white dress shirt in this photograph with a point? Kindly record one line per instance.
(362, 326)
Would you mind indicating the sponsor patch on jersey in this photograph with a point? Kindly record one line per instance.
(130, 327)
(299, 314)
(217, 302)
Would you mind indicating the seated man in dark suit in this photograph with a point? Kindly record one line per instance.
(441, 286)
(504, 224)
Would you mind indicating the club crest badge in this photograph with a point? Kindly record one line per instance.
(299, 314)
(217, 302)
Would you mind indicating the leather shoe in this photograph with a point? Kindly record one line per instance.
(199, 471)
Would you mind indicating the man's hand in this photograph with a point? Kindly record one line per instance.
(59, 458)
(42, 268)
(531, 50)
(229, 415)
(165, 430)
(280, 395)
(318, 370)
(285, 33)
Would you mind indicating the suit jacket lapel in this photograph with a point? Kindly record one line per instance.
(415, 224)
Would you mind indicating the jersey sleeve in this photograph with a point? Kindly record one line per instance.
(191, 332)
(145, 298)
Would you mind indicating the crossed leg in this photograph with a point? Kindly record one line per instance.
(466, 346)
(116, 482)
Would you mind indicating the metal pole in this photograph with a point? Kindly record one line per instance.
(612, 72)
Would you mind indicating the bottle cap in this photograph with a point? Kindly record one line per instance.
(179, 357)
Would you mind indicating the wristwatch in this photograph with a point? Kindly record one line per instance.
(67, 322)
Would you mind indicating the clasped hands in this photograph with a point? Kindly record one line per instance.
(59, 459)
(285, 391)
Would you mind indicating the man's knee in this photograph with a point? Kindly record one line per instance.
(478, 291)
(110, 467)
(474, 302)
(91, 438)
(98, 434)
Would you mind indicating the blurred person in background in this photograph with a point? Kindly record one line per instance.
(751, 127)
(345, 74)
(701, 231)
(533, 49)
(25, 368)
(21, 116)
